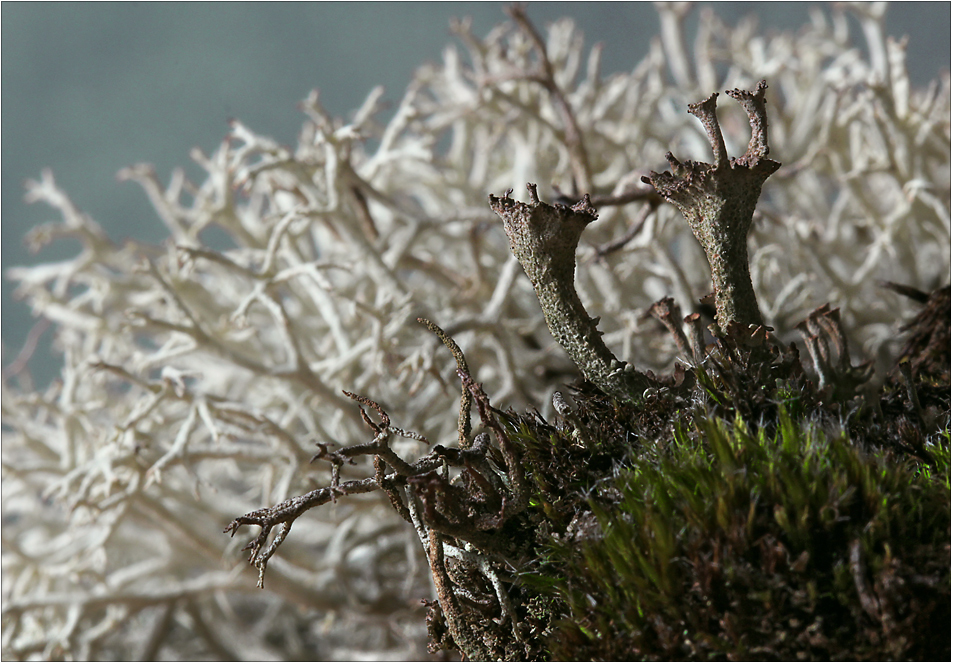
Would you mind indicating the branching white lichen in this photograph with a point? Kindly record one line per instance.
(198, 376)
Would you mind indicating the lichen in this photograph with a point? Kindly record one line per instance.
(544, 239)
(718, 201)
(201, 374)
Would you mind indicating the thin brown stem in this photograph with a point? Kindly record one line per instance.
(572, 133)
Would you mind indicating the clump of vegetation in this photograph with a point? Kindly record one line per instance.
(783, 541)
(739, 494)
(736, 508)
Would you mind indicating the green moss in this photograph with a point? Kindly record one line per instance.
(735, 542)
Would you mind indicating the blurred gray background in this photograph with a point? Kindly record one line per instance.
(89, 88)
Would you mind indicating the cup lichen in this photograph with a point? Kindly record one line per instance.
(544, 238)
(718, 202)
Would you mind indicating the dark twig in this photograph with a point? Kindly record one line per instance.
(385, 418)
(466, 400)
(363, 212)
(634, 229)
(667, 312)
(571, 131)
(449, 509)
(284, 514)
(514, 468)
(914, 294)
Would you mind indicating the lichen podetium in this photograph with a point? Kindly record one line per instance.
(543, 238)
(718, 201)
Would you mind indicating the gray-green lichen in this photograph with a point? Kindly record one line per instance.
(543, 238)
(718, 201)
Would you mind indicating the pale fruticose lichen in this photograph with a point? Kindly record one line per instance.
(200, 375)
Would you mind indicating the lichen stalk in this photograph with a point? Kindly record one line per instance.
(544, 238)
(718, 202)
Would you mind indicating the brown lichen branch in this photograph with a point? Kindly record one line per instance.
(283, 515)
(449, 603)
(668, 313)
(694, 323)
(544, 238)
(466, 400)
(826, 343)
(718, 201)
(519, 492)
(470, 510)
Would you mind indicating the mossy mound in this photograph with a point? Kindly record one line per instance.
(729, 542)
(742, 514)
(739, 509)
